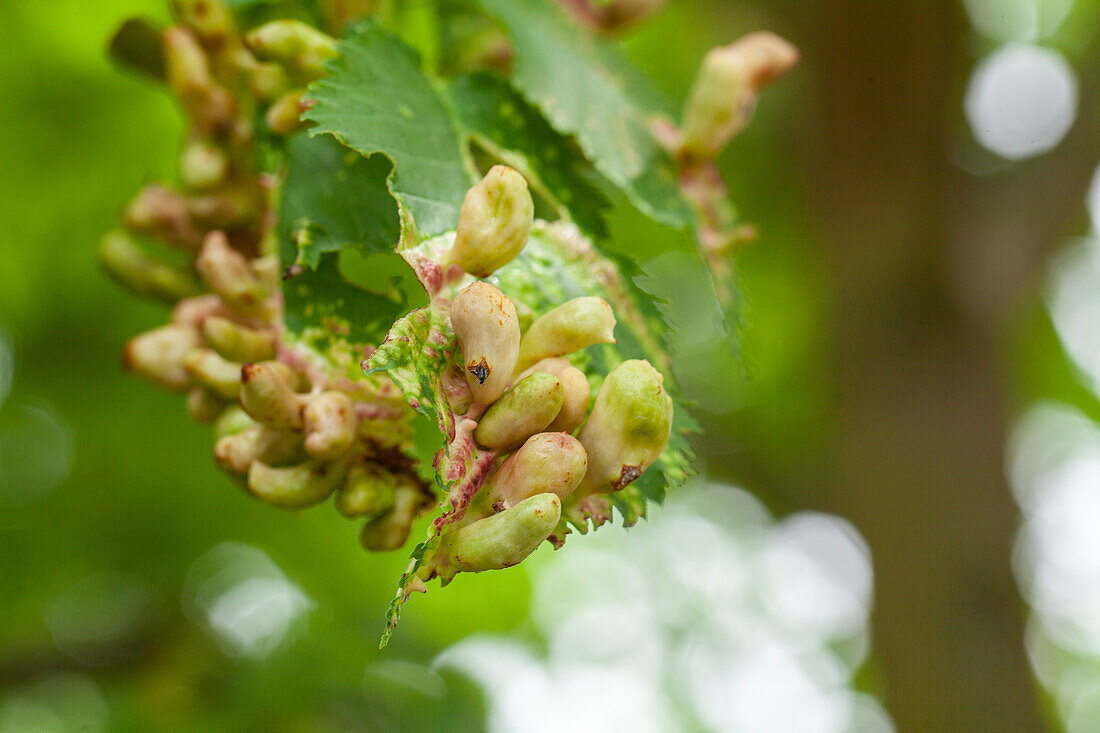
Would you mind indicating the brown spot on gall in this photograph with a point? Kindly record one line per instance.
(628, 475)
(481, 370)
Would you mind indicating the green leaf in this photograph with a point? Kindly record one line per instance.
(336, 218)
(672, 271)
(585, 88)
(325, 311)
(335, 198)
(461, 469)
(378, 100)
(494, 116)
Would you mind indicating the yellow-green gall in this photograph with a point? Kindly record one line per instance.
(494, 223)
(267, 80)
(284, 116)
(726, 88)
(267, 394)
(294, 487)
(236, 342)
(330, 424)
(160, 355)
(572, 326)
(487, 328)
(504, 539)
(203, 165)
(629, 426)
(211, 20)
(210, 105)
(575, 392)
(300, 47)
(203, 405)
(525, 409)
(130, 267)
(228, 274)
(217, 374)
(368, 491)
(236, 451)
(231, 421)
(391, 530)
(548, 463)
(162, 212)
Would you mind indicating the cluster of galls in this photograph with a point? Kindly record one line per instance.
(525, 406)
(287, 422)
(235, 90)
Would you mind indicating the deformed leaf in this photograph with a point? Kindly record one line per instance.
(460, 469)
(415, 353)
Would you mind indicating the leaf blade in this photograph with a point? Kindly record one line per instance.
(377, 99)
(490, 112)
(586, 89)
(336, 203)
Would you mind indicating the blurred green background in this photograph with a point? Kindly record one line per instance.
(894, 324)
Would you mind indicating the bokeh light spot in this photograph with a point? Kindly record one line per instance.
(59, 701)
(242, 598)
(1021, 101)
(1074, 304)
(709, 609)
(1017, 20)
(36, 450)
(1054, 467)
(103, 619)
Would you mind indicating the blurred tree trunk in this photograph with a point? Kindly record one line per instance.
(926, 260)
